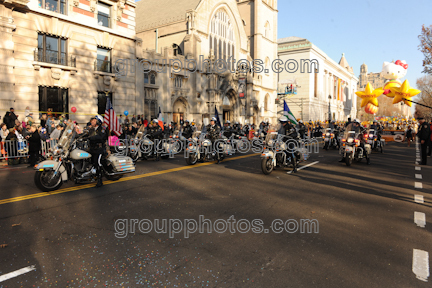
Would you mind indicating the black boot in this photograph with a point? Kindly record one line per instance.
(99, 182)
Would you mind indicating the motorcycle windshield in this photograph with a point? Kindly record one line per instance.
(272, 133)
(66, 137)
(141, 132)
(351, 132)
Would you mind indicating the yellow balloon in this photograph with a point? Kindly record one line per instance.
(404, 92)
(391, 84)
(369, 95)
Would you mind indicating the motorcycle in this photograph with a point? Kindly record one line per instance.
(351, 147)
(278, 153)
(201, 149)
(375, 141)
(70, 162)
(330, 139)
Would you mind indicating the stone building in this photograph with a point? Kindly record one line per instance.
(212, 30)
(318, 78)
(56, 55)
(386, 106)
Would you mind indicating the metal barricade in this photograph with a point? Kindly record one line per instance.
(11, 149)
(46, 146)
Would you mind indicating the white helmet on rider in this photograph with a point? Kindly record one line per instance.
(98, 118)
(283, 119)
(357, 121)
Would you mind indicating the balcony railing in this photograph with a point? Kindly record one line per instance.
(102, 65)
(53, 57)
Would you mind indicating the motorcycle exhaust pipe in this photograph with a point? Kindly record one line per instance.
(118, 173)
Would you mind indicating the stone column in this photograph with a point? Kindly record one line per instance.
(7, 60)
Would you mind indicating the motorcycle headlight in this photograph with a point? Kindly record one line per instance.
(371, 135)
(350, 140)
(327, 134)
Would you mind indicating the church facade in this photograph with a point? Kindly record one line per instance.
(190, 57)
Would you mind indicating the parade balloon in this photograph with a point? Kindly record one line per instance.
(404, 92)
(73, 109)
(369, 95)
(393, 71)
(371, 109)
(126, 113)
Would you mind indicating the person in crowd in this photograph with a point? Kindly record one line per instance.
(181, 121)
(126, 121)
(348, 122)
(134, 119)
(120, 119)
(34, 142)
(3, 132)
(409, 135)
(43, 120)
(424, 135)
(56, 134)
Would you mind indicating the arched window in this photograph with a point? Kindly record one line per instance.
(267, 30)
(222, 34)
(266, 102)
(267, 65)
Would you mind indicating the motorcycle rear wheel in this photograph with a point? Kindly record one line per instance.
(267, 166)
(192, 159)
(348, 160)
(43, 185)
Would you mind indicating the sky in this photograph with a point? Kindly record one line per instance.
(366, 31)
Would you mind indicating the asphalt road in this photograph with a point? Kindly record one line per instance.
(366, 234)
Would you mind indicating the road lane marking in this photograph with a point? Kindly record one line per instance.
(17, 273)
(418, 198)
(418, 168)
(418, 185)
(420, 265)
(91, 185)
(418, 176)
(420, 219)
(308, 165)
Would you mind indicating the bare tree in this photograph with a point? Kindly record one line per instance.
(426, 48)
(424, 84)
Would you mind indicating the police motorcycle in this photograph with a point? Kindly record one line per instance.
(330, 138)
(201, 149)
(281, 151)
(375, 141)
(351, 148)
(70, 162)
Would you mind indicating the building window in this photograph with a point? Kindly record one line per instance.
(150, 78)
(222, 34)
(103, 61)
(153, 111)
(51, 49)
(178, 81)
(102, 100)
(266, 102)
(53, 5)
(54, 99)
(104, 12)
(267, 30)
(316, 83)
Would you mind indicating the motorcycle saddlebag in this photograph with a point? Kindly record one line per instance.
(121, 163)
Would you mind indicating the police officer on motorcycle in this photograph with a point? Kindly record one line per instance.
(98, 137)
(187, 130)
(286, 128)
(155, 133)
(302, 129)
(227, 129)
(213, 132)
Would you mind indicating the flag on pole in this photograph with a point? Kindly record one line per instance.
(111, 120)
(160, 120)
(217, 118)
(287, 112)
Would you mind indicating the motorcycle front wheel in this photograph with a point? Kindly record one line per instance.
(192, 159)
(44, 182)
(267, 166)
(113, 177)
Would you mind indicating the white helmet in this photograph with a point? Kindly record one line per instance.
(283, 119)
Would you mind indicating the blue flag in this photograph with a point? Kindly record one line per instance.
(217, 118)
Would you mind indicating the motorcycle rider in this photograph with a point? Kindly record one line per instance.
(302, 129)
(236, 128)
(286, 128)
(187, 129)
(213, 132)
(155, 133)
(98, 137)
(227, 129)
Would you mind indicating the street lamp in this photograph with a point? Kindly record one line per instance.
(329, 112)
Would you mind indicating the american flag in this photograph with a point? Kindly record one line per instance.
(111, 120)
